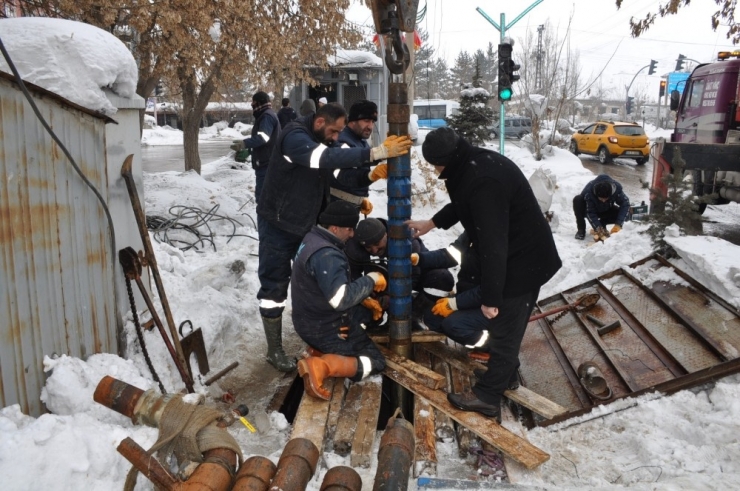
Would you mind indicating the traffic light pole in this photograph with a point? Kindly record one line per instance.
(502, 29)
(628, 87)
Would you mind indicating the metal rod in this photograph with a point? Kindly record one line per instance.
(221, 373)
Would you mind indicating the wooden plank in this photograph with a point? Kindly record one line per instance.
(444, 426)
(347, 422)
(416, 337)
(412, 370)
(516, 473)
(425, 439)
(367, 423)
(460, 382)
(486, 428)
(278, 398)
(335, 409)
(310, 420)
(527, 398)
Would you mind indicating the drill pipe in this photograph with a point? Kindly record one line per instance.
(394, 456)
(296, 466)
(255, 474)
(341, 478)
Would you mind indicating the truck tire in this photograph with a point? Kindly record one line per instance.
(641, 161)
(573, 147)
(604, 156)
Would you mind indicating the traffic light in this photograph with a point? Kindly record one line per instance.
(653, 64)
(504, 79)
(679, 63)
(629, 104)
(662, 88)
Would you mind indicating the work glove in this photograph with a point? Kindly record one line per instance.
(601, 234)
(444, 307)
(414, 259)
(615, 229)
(344, 332)
(246, 132)
(237, 145)
(366, 207)
(374, 306)
(379, 172)
(379, 280)
(393, 146)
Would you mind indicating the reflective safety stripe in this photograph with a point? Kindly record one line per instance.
(271, 304)
(287, 158)
(367, 366)
(344, 145)
(264, 136)
(337, 298)
(336, 172)
(481, 341)
(316, 155)
(455, 253)
(436, 293)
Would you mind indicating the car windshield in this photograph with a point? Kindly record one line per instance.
(629, 130)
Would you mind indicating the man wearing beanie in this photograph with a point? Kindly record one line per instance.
(263, 135)
(371, 240)
(325, 303)
(352, 184)
(513, 245)
(295, 191)
(602, 201)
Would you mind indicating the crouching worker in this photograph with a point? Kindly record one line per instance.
(602, 202)
(326, 304)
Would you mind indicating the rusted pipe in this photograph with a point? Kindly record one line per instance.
(394, 456)
(296, 466)
(255, 474)
(341, 478)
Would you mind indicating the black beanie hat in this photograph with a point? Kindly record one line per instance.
(363, 110)
(439, 145)
(603, 189)
(370, 231)
(341, 214)
(261, 97)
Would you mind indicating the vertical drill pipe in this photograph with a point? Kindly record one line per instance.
(296, 466)
(255, 474)
(341, 478)
(394, 456)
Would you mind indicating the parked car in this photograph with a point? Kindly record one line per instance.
(610, 139)
(514, 127)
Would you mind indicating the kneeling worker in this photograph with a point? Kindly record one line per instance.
(602, 201)
(325, 302)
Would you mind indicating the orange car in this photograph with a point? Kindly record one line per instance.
(607, 140)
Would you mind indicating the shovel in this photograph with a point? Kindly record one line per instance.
(193, 343)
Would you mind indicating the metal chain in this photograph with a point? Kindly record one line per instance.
(140, 335)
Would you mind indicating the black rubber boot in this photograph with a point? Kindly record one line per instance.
(274, 335)
(580, 235)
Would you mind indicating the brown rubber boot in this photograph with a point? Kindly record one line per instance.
(315, 369)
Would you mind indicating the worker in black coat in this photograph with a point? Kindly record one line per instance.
(602, 202)
(493, 201)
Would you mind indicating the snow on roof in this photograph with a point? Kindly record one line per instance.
(354, 57)
(72, 59)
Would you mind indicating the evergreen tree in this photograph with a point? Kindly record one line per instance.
(443, 80)
(462, 71)
(474, 116)
(425, 84)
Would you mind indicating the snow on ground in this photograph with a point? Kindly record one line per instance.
(687, 441)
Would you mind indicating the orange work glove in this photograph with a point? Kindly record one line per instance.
(414, 259)
(615, 229)
(374, 306)
(379, 172)
(366, 207)
(379, 280)
(344, 332)
(393, 146)
(444, 307)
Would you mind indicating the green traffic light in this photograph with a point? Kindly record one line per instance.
(505, 94)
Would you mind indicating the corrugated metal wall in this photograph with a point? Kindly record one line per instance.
(56, 278)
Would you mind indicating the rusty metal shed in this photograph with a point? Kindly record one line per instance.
(57, 275)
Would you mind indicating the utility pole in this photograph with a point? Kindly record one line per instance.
(503, 40)
(540, 55)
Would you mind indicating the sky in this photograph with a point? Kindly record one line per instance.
(687, 441)
(598, 31)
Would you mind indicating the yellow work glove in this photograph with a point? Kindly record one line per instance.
(379, 280)
(366, 207)
(615, 229)
(379, 172)
(237, 145)
(444, 306)
(393, 146)
(414, 259)
(374, 306)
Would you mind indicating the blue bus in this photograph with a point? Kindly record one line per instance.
(432, 112)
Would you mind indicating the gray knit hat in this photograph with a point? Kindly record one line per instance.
(370, 231)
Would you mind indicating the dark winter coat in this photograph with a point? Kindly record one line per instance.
(321, 289)
(493, 201)
(265, 133)
(296, 187)
(285, 115)
(354, 181)
(595, 207)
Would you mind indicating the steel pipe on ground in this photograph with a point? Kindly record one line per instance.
(296, 466)
(395, 456)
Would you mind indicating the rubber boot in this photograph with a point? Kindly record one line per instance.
(310, 351)
(315, 369)
(274, 335)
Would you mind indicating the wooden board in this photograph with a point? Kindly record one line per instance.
(444, 426)
(310, 420)
(367, 423)
(466, 439)
(412, 370)
(527, 398)
(335, 408)
(416, 337)
(486, 428)
(347, 422)
(425, 439)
